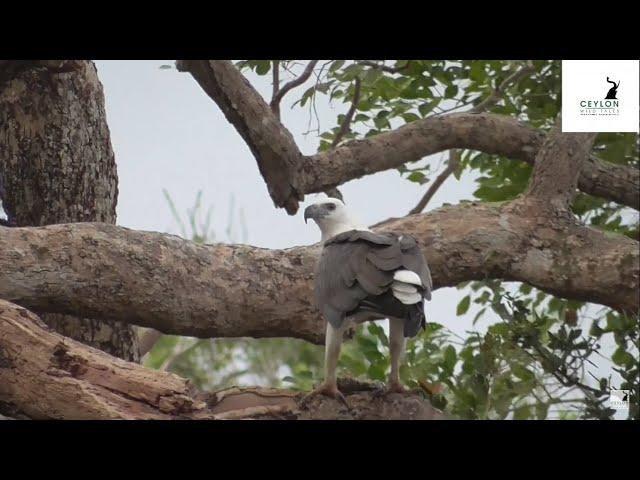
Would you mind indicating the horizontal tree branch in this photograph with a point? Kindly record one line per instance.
(179, 287)
(81, 382)
(485, 132)
(290, 175)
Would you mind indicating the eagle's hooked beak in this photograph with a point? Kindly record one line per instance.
(312, 211)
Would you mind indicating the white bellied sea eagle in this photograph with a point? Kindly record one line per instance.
(363, 276)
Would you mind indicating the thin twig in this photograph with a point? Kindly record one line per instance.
(344, 129)
(451, 167)
(275, 107)
(346, 124)
(303, 77)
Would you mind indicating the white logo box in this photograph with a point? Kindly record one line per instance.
(600, 96)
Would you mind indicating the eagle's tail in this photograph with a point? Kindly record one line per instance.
(415, 320)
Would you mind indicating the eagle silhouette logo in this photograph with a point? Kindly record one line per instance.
(611, 95)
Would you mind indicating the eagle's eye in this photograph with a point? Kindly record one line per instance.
(331, 206)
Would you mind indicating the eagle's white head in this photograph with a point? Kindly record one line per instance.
(333, 217)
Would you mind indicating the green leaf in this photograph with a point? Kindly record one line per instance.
(622, 357)
(450, 358)
(263, 67)
(614, 322)
(451, 91)
(426, 107)
(542, 409)
(478, 315)
(376, 371)
(417, 177)
(410, 117)
(378, 331)
(335, 65)
(522, 413)
(522, 373)
(463, 305)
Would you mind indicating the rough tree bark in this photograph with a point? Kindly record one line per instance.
(57, 166)
(81, 382)
(292, 175)
(177, 286)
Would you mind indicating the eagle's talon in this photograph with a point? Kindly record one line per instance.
(327, 390)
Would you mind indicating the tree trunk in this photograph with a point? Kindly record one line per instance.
(57, 166)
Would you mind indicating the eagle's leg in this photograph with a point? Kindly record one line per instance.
(333, 345)
(397, 345)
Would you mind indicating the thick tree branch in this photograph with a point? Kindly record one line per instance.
(557, 167)
(489, 133)
(179, 287)
(85, 383)
(289, 175)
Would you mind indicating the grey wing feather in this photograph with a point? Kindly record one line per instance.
(357, 265)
